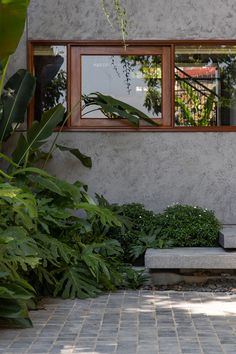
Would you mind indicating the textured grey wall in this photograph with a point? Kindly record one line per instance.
(83, 19)
(154, 168)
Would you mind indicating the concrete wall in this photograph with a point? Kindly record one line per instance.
(156, 169)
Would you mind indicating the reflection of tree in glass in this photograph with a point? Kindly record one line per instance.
(47, 68)
(153, 100)
(226, 66)
(54, 91)
(149, 67)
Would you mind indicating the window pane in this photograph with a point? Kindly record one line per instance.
(205, 85)
(50, 66)
(135, 80)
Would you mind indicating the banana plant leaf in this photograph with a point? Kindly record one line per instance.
(12, 22)
(38, 133)
(115, 109)
(86, 160)
(16, 96)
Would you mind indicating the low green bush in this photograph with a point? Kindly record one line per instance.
(142, 231)
(189, 226)
(137, 220)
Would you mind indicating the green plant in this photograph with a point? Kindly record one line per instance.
(204, 110)
(189, 226)
(139, 220)
(141, 230)
(120, 17)
(115, 109)
(135, 278)
(14, 100)
(54, 91)
(18, 253)
(12, 21)
(152, 239)
(40, 212)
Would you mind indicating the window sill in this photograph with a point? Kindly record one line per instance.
(153, 129)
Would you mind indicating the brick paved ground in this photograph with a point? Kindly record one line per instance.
(130, 322)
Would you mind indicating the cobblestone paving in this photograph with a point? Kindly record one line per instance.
(130, 322)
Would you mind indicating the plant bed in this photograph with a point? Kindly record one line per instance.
(225, 284)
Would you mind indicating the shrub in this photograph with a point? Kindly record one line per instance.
(138, 220)
(142, 231)
(189, 226)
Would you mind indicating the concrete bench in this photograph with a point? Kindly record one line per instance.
(190, 258)
(227, 237)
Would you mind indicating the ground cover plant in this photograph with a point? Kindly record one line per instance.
(189, 226)
(178, 226)
(141, 230)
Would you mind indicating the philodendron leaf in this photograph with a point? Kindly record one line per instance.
(75, 281)
(12, 22)
(17, 94)
(107, 217)
(86, 160)
(38, 133)
(116, 109)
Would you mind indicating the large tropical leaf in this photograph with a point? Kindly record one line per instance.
(20, 244)
(17, 205)
(76, 281)
(86, 160)
(52, 250)
(38, 133)
(46, 183)
(106, 216)
(68, 189)
(115, 109)
(13, 303)
(17, 94)
(12, 22)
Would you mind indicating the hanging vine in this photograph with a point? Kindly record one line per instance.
(120, 16)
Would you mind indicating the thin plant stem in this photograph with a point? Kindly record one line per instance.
(3, 76)
(58, 133)
(93, 110)
(120, 18)
(106, 13)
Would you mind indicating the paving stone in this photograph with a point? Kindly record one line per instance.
(149, 322)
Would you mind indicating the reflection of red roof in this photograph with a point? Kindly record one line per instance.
(196, 72)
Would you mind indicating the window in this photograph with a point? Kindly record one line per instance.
(181, 85)
(50, 69)
(205, 86)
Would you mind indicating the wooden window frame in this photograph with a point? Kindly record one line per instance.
(139, 47)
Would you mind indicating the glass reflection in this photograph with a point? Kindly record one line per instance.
(50, 65)
(205, 86)
(135, 80)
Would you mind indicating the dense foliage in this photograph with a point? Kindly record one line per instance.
(44, 245)
(141, 230)
(54, 239)
(177, 226)
(52, 232)
(189, 226)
